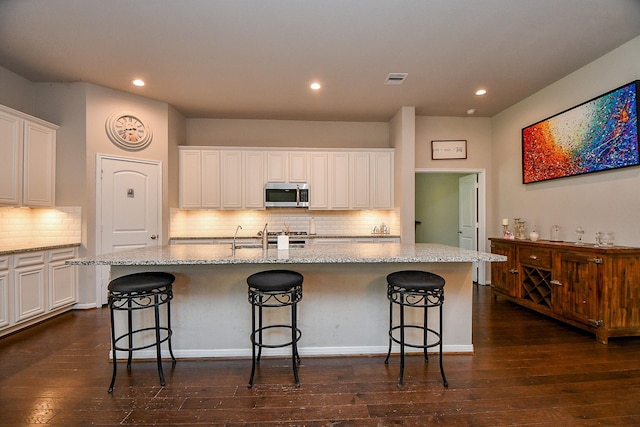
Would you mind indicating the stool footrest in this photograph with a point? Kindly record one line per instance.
(286, 344)
(141, 347)
(423, 346)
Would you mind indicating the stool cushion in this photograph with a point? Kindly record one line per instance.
(275, 280)
(141, 282)
(416, 280)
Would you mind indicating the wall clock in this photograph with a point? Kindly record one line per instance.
(128, 131)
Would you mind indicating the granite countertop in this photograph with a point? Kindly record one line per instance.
(34, 247)
(321, 254)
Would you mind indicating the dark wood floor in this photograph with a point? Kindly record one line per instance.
(527, 370)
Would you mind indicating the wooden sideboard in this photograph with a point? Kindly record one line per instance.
(593, 288)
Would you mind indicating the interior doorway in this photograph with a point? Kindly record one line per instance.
(442, 212)
(128, 208)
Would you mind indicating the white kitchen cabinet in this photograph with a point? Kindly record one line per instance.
(359, 177)
(382, 180)
(29, 285)
(286, 166)
(318, 180)
(39, 171)
(27, 166)
(62, 278)
(190, 179)
(339, 184)
(231, 178)
(277, 166)
(253, 167)
(211, 179)
(4, 291)
(35, 286)
(11, 159)
(199, 186)
(297, 166)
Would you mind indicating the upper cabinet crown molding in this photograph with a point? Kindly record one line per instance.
(27, 167)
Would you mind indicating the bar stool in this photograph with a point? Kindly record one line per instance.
(274, 288)
(418, 289)
(134, 292)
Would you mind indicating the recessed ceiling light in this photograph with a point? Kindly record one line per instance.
(315, 86)
(471, 111)
(137, 82)
(481, 92)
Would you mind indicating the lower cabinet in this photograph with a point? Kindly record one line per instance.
(4, 292)
(594, 288)
(35, 286)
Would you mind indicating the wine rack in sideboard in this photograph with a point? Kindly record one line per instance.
(593, 288)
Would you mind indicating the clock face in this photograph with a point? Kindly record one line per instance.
(128, 131)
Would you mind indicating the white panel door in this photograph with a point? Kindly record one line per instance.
(130, 198)
(468, 215)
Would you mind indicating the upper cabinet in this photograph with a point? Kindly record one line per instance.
(286, 166)
(232, 178)
(354, 180)
(27, 166)
(221, 179)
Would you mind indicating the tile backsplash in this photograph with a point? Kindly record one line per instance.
(330, 223)
(23, 226)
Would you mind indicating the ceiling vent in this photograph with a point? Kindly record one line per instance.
(395, 78)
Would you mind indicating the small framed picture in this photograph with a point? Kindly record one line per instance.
(449, 149)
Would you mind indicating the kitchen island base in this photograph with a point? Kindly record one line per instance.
(344, 310)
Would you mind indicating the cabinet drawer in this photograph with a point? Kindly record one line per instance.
(62, 254)
(535, 257)
(31, 258)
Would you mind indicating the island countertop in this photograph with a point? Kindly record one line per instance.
(311, 254)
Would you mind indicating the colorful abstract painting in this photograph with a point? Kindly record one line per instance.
(600, 134)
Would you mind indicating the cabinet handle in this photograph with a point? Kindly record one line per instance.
(596, 322)
(596, 260)
(555, 282)
(513, 271)
(533, 257)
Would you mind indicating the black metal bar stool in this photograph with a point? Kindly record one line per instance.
(134, 292)
(419, 289)
(274, 288)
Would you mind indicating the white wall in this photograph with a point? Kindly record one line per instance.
(287, 133)
(604, 201)
(17, 92)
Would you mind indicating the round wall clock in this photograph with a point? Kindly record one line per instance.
(128, 131)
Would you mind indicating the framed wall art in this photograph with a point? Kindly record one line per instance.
(449, 149)
(597, 135)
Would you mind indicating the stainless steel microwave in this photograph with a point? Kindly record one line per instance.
(286, 195)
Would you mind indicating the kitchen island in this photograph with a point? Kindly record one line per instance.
(344, 309)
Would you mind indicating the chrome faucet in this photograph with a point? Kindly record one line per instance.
(265, 238)
(233, 245)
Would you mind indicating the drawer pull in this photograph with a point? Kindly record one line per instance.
(555, 282)
(533, 257)
(513, 271)
(596, 322)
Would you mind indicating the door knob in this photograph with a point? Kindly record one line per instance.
(154, 236)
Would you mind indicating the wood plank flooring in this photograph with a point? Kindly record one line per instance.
(527, 370)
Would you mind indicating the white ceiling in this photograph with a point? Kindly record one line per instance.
(256, 58)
